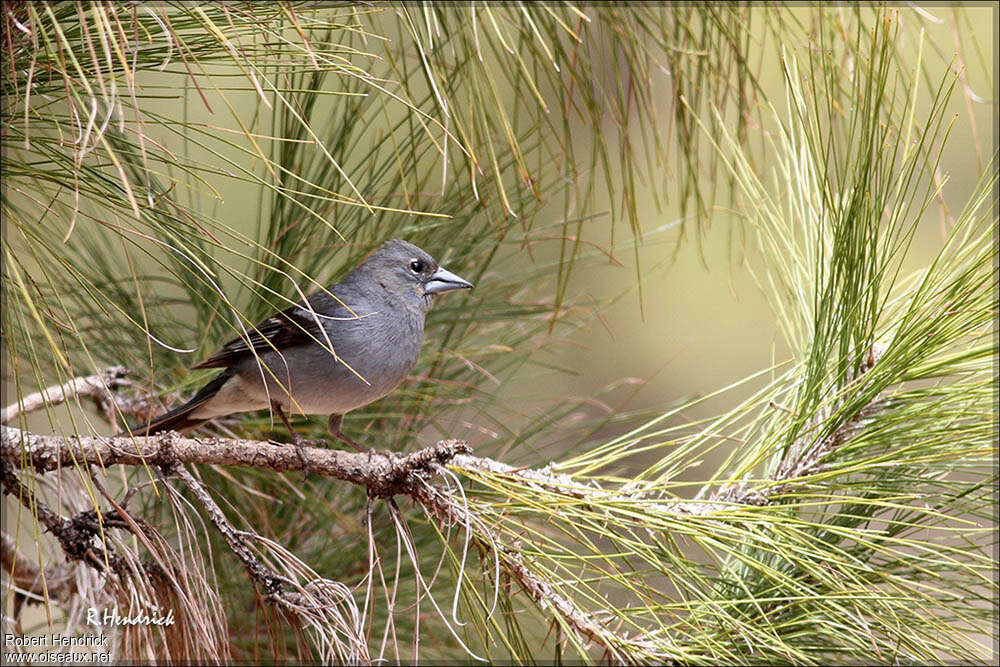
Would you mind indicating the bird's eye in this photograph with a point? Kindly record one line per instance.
(417, 266)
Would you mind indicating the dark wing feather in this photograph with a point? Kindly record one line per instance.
(296, 325)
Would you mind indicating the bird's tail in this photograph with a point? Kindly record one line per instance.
(180, 419)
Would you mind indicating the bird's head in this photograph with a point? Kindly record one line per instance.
(401, 268)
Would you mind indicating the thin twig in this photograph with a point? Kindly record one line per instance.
(101, 387)
(75, 534)
(445, 507)
(269, 580)
(96, 386)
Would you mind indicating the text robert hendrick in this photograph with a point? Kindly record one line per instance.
(63, 641)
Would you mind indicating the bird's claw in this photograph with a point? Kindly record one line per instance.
(391, 457)
(300, 448)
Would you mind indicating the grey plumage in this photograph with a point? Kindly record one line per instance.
(327, 354)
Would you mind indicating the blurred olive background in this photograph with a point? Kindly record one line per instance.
(702, 323)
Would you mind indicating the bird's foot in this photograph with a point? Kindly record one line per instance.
(300, 444)
(391, 456)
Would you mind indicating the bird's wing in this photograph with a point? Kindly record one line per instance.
(296, 325)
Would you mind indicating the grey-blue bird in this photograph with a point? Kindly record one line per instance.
(326, 354)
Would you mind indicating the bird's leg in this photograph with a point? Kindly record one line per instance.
(334, 426)
(299, 442)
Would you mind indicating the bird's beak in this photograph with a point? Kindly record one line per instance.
(445, 281)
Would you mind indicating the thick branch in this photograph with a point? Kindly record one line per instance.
(382, 473)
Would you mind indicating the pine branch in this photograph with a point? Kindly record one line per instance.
(384, 474)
